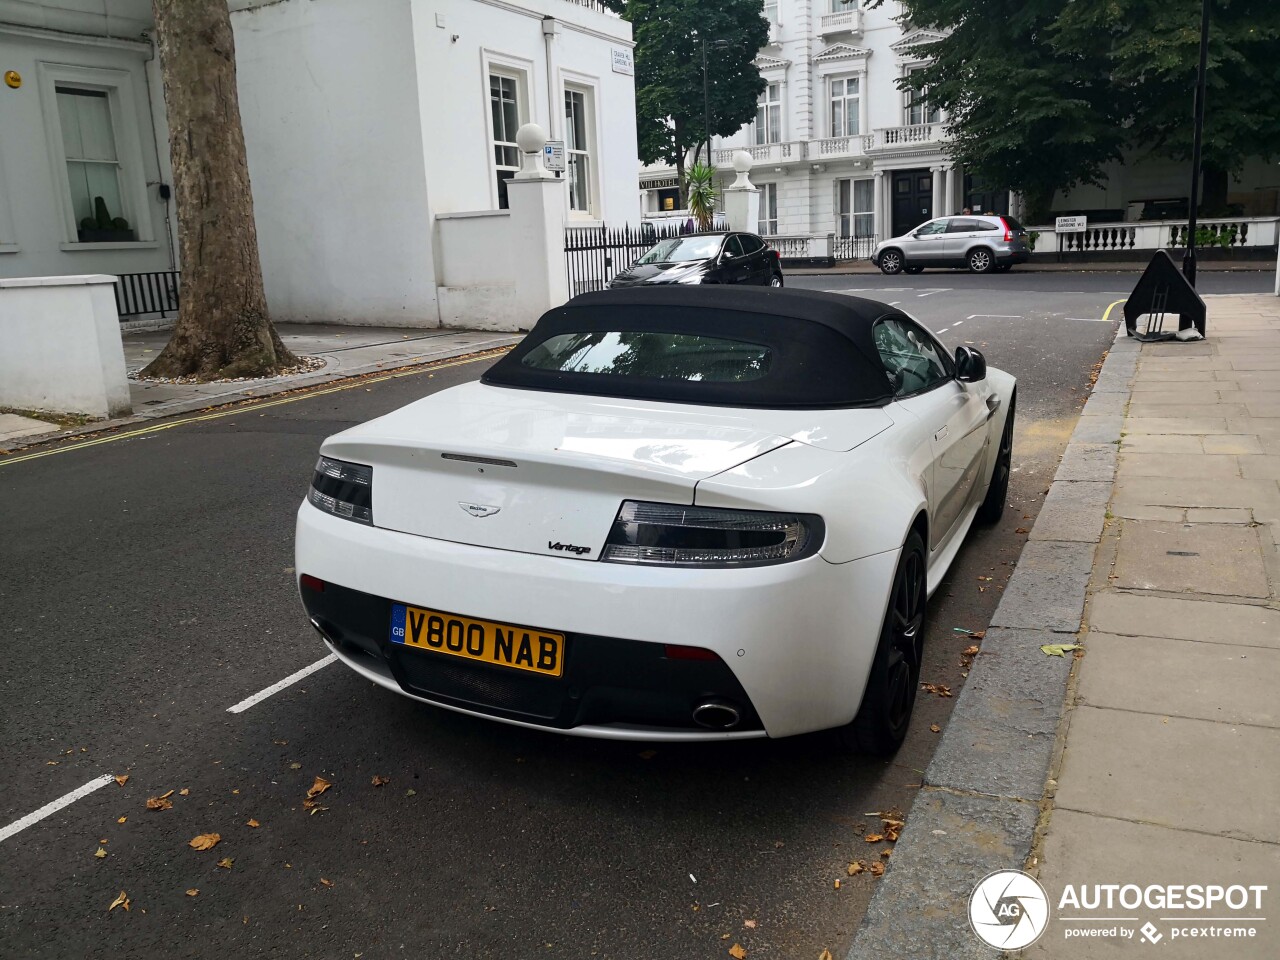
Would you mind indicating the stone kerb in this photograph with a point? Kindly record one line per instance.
(61, 350)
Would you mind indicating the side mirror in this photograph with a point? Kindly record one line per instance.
(971, 365)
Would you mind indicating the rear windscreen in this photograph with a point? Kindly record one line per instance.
(655, 355)
(1013, 223)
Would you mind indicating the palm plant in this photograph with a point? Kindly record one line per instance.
(701, 190)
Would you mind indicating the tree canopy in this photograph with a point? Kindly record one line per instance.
(1041, 94)
(669, 104)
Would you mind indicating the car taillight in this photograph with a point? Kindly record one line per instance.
(670, 535)
(1008, 232)
(343, 489)
(776, 256)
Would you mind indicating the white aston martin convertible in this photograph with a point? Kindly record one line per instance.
(668, 514)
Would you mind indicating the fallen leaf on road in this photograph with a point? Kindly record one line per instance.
(166, 796)
(252, 823)
(1022, 530)
(725, 936)
(939, 689)
(327, 883)
(873, 838)
(410, 792)
(159, 803)
(836, 883)
(295, 766)
(122, 820)
(935, 728)
(825, 955)
(205, 841)
(877, 869)
(737, 951)
(193, 891)
(185, 791)
(971, 651)
(122, 779)
(379, 781)
(319, 787)
(120, 901)
(226, 863)
(854, 868)
(886, 853)
(749, 924)
(100, 853)
(1058, 649)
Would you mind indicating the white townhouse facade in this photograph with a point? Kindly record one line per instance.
(838, 148)
(368, 124)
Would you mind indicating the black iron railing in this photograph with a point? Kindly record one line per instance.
(853, 248)
(141, 294)
(595, 255)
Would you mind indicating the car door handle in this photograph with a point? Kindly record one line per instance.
(942, 434)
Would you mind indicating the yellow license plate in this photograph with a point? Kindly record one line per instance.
(523, 648)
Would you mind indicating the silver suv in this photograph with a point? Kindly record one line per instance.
(982, 244)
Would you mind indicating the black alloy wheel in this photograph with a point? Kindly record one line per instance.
(881, 724)
(891, 262)
(980, 260)
(993, 504)
(775, 280)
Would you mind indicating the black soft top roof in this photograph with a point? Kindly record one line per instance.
(824, 354)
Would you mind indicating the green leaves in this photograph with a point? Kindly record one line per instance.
(701, 190)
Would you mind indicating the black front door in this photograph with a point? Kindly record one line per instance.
(912, 199)
(983, 197)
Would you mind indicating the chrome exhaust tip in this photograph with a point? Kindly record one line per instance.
(716, 715)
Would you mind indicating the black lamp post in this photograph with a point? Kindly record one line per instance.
(706, 92)
(1189, 261)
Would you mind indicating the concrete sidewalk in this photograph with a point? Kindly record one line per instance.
(346, 351)
(1169, 770)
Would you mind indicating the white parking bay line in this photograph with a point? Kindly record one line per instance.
(279, 685)
(932, 292)
(993, 316)
(49, 808)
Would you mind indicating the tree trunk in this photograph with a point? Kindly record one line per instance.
(1213, 186)
(222, 329)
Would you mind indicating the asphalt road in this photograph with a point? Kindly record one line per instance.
(147, 586)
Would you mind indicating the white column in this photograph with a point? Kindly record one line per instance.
(881, 219)
(939, 192)
(742, 197)
(537, 201)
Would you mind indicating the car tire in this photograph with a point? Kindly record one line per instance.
(980, 260)
(891, 262)
(775, 280)
(993, 504)
(913, 270)
(884, 716)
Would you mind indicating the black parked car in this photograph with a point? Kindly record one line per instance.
(705, 258)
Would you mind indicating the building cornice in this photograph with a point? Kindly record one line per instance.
(140, 45)
(842, 51)
(906, 46)
(765, 62)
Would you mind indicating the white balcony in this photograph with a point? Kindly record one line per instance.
(837, 148)
(845, 21)
(916, 135)
(791, 151)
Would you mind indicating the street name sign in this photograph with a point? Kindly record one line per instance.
(1071, 224)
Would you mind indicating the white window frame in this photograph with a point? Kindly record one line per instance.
(934, 114)
(589, 87)
(849, 229)
(766, 225)
(768, 106)
(844, 79)
(122, 106)
(518, 70)
(770, 11)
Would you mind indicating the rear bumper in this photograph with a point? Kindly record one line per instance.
(1013, 256)
(795, 640)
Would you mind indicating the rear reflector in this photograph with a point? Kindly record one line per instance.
(314, 584)
(675, 651)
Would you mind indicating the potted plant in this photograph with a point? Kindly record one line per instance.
(102, 227)
(700, 183)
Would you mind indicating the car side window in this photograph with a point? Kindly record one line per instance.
(734, 246)
(751, 244)
(913, 359)
(963, 226)
(934, 226)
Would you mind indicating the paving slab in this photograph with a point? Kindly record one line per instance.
(1260, 495)
(1161, 443)
(1238, 444)
(1082, 849)
(1000, 736)
(1158, 424)
(1105, 404)
(1204, 558)
(13, 426)
(1219, 515)
(1170, 464)
(1140, 409)
(1226, 683)
(1260, 468)
(1046, 591)
(951, 842)
(1207, 621)
(1186, 393)
(1143, 511)
(1173, 772)
(1178, 376)
(1073, 510)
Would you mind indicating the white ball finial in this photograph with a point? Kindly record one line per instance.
(531, 138)
(742, 161)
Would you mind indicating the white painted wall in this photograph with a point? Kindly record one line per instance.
(62, 350)
(331, 120)
(34, 240)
